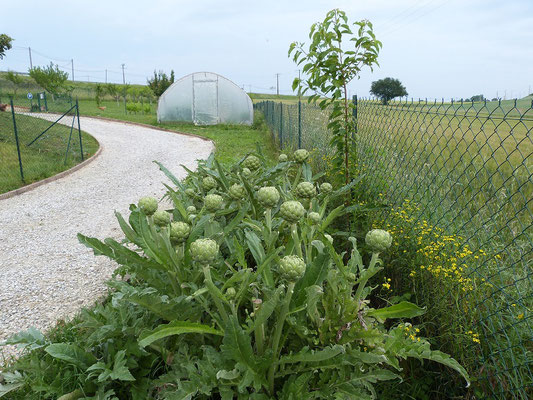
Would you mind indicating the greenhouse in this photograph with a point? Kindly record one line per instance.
(205, 98)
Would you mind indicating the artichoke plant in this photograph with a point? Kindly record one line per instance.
(283, 158)
(326, 188)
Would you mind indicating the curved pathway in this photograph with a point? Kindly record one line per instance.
(45, 273)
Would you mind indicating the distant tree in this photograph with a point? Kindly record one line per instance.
(494, 99)
(477, 97)
(387, 89)
(113, 91)
(15, 79)
(5, 44)
(160, 82)
(100, 91)
(50, 78)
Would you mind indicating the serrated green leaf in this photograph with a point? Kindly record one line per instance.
(176, 328)
(403, 309)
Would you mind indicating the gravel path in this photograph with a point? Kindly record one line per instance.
(45, 273)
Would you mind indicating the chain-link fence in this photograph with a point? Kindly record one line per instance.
(36, 145)
(460, 173)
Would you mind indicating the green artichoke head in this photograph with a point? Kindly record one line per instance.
(179, 232)
(209, 183)
(251, 162)
(148, 205)
(301, 155)
(291, 268)
(378, 240)
(326, 188)
(161, 218)
(246, 172)
(191, 210)
(306, 190)
(190, 192)
(283, 158)
(268, 196)
(292, 211)
(213, 202)
(204, 251)
(314, 217)
(237, 192)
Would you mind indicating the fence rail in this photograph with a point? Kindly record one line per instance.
(466, 170)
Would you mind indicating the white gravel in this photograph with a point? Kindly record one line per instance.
(45, 273)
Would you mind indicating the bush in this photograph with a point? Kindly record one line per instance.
(249, 301)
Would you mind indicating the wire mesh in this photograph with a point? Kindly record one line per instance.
(468, 168)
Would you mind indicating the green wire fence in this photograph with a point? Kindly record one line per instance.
(468, 169)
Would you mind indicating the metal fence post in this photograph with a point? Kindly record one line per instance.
(16, 138)
(79, 129)
(45, 103)
(299, 124)
(281, 125)
(354, 115)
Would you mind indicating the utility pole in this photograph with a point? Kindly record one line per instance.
(277, 84)
(31, 64)
(124, 83)
(72, 63)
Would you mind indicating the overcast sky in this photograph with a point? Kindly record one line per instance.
(437, 48)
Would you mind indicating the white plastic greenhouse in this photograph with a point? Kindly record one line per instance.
(205, 98)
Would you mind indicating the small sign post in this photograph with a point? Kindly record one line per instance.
(30, 97)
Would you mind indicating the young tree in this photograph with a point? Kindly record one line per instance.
(336, 56)
(5, 44)
(15, 79)
(100, 91)
(387, 89)
(113, 91)
(160, 82)
(50, 78)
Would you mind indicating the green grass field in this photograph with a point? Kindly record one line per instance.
(45, 157)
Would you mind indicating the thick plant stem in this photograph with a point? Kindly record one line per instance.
(215, 292)
(259, 331)
(268, 220)
(363, 282)
(296, 239)
(277, 336)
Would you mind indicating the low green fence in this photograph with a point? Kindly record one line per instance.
(459, 172)
(36, 145)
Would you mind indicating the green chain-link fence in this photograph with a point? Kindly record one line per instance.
(36, 145)
(465, 172)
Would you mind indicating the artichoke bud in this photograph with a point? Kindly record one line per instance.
(204, 251)
(326, 188)
(301, 155)
(237, 192)
(306, 190)
(209, 183)
(378, 240)
(314, 217)
(283, 158)
(291, 268)
(252, 163)
(231, 293)
(148, 205)
(191, 210)
(179, 232)
(190, 192)
(292, 211)
(268, 196)
(161, 218)
(213, 202)
(246, 172)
